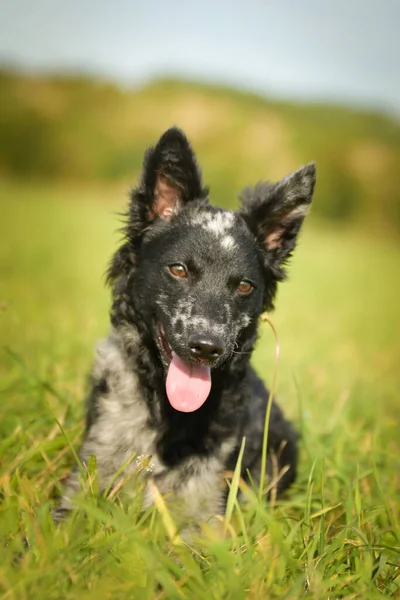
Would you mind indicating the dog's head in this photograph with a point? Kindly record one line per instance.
(198, 277)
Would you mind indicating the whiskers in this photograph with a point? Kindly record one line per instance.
(238, 352)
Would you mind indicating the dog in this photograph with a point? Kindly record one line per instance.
(172, 384)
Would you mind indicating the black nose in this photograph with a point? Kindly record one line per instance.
(206, 348)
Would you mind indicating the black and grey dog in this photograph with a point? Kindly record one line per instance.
(173, 380)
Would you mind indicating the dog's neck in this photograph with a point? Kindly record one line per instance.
(178, 432)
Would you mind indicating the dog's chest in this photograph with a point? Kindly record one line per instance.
(122, 432)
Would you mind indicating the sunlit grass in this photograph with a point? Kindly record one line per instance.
(336, 535)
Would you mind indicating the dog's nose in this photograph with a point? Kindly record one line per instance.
(206, 348)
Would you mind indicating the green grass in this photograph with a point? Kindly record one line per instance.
(336, 535)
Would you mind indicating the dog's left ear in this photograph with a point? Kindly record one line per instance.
(170, 178)
(274, 214)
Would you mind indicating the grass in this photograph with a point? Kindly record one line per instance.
(336, 535)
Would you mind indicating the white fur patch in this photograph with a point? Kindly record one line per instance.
(219, 223)
(244, 320)
(228, 242)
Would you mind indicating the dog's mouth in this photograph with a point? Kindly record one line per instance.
(188, 384)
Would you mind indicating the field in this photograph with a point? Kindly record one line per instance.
(84, 129)
(335, 535)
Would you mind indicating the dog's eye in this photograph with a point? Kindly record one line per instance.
(245, 288)
(178, 271)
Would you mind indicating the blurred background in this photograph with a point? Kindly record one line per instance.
(260, 88)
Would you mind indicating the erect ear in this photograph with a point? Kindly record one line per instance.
(274, 214)
(171, 177)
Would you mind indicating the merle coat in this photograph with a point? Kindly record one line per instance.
(191, 280)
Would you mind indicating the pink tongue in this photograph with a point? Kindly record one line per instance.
(188, 385)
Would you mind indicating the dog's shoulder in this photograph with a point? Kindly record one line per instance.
(113, 374)
(117, 411)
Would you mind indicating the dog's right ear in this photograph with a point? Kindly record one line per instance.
(170, 178)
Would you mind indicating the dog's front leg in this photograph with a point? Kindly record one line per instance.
(72, 487)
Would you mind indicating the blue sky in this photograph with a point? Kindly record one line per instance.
(338, 50)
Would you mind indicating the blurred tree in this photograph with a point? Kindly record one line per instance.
(75, 128)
